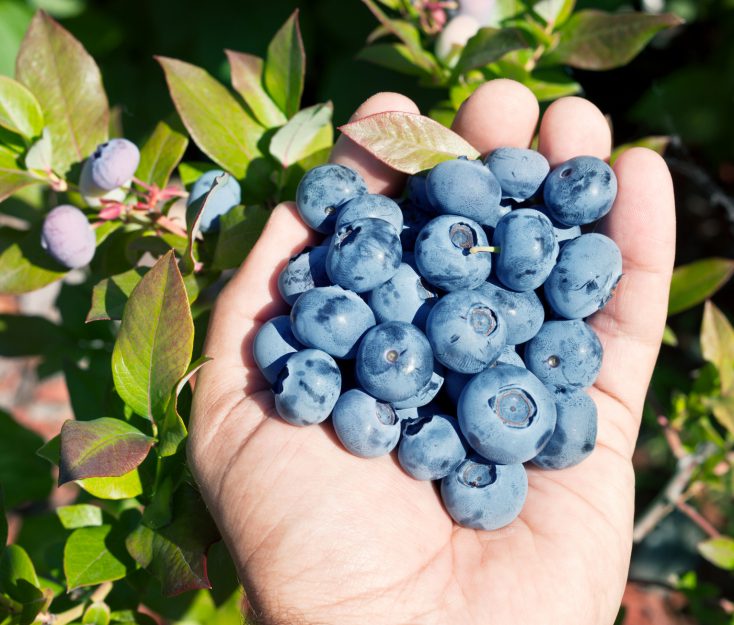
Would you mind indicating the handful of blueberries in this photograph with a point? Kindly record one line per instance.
(411, 331)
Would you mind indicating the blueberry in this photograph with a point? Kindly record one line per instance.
(430, 447)
(394, 361)
(307, 388)
(366, 427)
(575, 433)
(364, 254)
(417, 193)
(443, 257)
(584, 277)
(372, 206)
(323, 190)
(112, 165)
(454, 382)
(565, 353)
(528, 249)
(413, 221)
(509, 356)
(580, 191)
(506, 414)
(227, 196)
(67, 237)
(331, 319)
(427, 393)
(404, 297)
(465, 188)
(519, 171)
(523, 312)
(304, 271)
(273, 345)
(484, 496)
(465, 331)
(562, 231)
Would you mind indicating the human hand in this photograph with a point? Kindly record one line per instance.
(322, 537)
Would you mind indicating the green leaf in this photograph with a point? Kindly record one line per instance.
(12, 177)
(154, 345)
(296, 139)
(18, 580)
(25, 477)
(247, 80)
(669, 337)
(655, 143)
(214, 119)
(176, 554)
(723, 409)
(24, 266)
(189, 172)
(110, 295)
(719, 551)
(68, 85)
(406, 141)
(97, 614)
(93, 555)
(546, 90)
(28, 335)
(162, 152)
(124, 487)
(717, 344)
(103, 447)
(394, 56)
(40, 155)
(51, 450)
(79, 515)
(598, 41)
(20, 112)
(285, 66)
(554, 12)
(239, 229)
(172, 431)
(487, 46)
(697, 281)
(14, 20)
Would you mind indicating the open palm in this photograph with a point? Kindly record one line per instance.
(322, 537)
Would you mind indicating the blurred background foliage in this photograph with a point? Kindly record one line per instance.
(682, 86)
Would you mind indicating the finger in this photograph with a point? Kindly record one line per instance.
(379, 177)
(500, 113)
(630, 327)
(573, 127)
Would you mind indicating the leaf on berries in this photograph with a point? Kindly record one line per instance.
(247, 80)
(20, 112)
(285, 66)
(306, 132)
(93, 555)
(162, 152)
(597, 40)
(407, 142)
(103, 447)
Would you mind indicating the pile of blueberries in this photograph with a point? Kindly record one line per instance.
(412, 332)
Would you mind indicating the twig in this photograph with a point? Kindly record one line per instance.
(697, 518)
(671, 494)
(71, 615)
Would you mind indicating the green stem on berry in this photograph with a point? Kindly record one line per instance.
(484, 248)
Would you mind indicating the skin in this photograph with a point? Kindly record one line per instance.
(322, 537)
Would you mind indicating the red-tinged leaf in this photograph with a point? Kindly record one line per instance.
(406, 141)
(285, 66)
(176, 553)
(68, 85)
(154, 345)
(597, 40)
(247, 79)
(100, 448)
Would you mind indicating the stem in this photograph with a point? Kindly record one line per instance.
(71, 615)
(483, 248)
(10, 605)
(698, 519)
(672, 493)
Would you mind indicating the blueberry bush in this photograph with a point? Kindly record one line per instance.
(135, 542)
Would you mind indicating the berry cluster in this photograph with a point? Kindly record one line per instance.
(409, 329)
(105, 183)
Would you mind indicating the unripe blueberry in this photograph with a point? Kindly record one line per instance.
(67, 237)
(112, 165)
